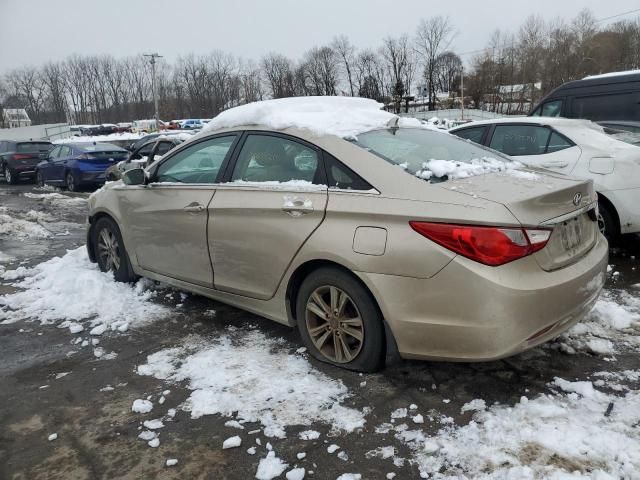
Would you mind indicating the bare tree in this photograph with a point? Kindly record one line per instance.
(433, 36)
(346, 51)
(278, 71)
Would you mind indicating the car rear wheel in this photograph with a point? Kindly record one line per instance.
(71, 183)
(39, 179)
(10, 176)
(607, 222)
(339, 320)
(110, 252)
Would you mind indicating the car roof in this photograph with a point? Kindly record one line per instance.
(551, 121)
(98, 146)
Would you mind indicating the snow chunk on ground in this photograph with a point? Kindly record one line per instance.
(47, 288)
(270, 467)
(57, 199)
(350, 476)
(476, 404)
(141, 406)
(232, 442)
(253, 377)
(171, 462)
(332, 448)
(153, 424)
(546, 437)
(52, 437)
(295, 474)
(18, 228)
(341, 116)
(309, 435)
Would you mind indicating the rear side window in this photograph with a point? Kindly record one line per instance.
(520, 139)
(339, 176)
(33, 147)
(619, 106)
(474, 134)
(558, 142)
(266, 158)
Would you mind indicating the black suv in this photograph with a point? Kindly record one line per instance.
(611, 96)
(19, 159)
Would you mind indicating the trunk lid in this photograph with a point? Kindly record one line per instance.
(536, 199)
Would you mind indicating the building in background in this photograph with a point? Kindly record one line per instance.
(15, 118)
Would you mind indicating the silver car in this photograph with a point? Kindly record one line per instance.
(364, 245)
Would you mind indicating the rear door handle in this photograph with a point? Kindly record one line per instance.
(194, 207)
(296, 206)
(558, 164)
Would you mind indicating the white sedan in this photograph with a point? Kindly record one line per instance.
(579, 148)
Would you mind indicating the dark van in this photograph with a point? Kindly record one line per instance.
(610, 96)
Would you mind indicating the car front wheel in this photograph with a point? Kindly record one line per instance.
(10, 176)
(109, 250)
(339, 321)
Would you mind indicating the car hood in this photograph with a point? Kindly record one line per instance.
(533, 197)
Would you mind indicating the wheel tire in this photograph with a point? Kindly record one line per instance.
(39, 179)
(607, 222)
(9, 176)
(111, 257)
(365, 354)
(71, 182)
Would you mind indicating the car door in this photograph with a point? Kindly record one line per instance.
(167, 219)
(536, 145)
(273, 198)
(46, 168)
(59, 164)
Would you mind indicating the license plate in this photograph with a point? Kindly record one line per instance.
(571, 234)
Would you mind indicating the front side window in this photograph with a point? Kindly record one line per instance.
(199, 163)
(551, 109)
(266, 158)
(474, 134)
(55, 153)
(65, 152)
(517, 140)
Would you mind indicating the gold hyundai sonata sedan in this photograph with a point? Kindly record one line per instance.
(373, 235)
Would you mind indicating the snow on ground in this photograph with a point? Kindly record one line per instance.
(544, 437)
(612, 326)
(72, 289)
(253, 376)
(57, 199)
(10, 226)
(341, 116)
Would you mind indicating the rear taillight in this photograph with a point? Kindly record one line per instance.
(488, 245)
(20, 156)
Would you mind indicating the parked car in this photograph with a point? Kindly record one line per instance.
(632, 127)
(145, 126)
(174, 125)
(144, 155)
(345, 230)
(141, 141)
(78, 165)
(192, 124)
(572, 147)
(611, 96)
(19, 159)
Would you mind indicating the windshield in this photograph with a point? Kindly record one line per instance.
(433, 156)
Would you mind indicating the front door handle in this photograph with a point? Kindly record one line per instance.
(194, 207)
(296, 206)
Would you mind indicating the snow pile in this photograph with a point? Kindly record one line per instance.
(57, 199)
(270, 467)
(11, 226)
(551, 436)
(71, 288)
(612, 325)
(254, 377)
(341, 116)
(453, 169)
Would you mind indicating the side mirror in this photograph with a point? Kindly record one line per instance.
(135, 176)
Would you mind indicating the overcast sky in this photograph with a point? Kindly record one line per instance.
(35, 31)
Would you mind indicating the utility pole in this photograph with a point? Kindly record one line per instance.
(152, 61)
(462, 93)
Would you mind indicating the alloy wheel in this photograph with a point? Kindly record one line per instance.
(71, 186)
(334, 324)
(7, 175)
(601, 224)
(39, 179)
(109, 250)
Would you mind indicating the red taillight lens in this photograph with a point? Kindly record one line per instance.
(488, 245)
(20, 156)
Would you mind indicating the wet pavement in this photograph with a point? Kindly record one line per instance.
(97, 432)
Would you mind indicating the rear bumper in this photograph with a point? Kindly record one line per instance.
(96, 177)
(626, 204)
(471, 312)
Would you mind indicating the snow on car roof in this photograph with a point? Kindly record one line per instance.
(612, 74)
(344, 117)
